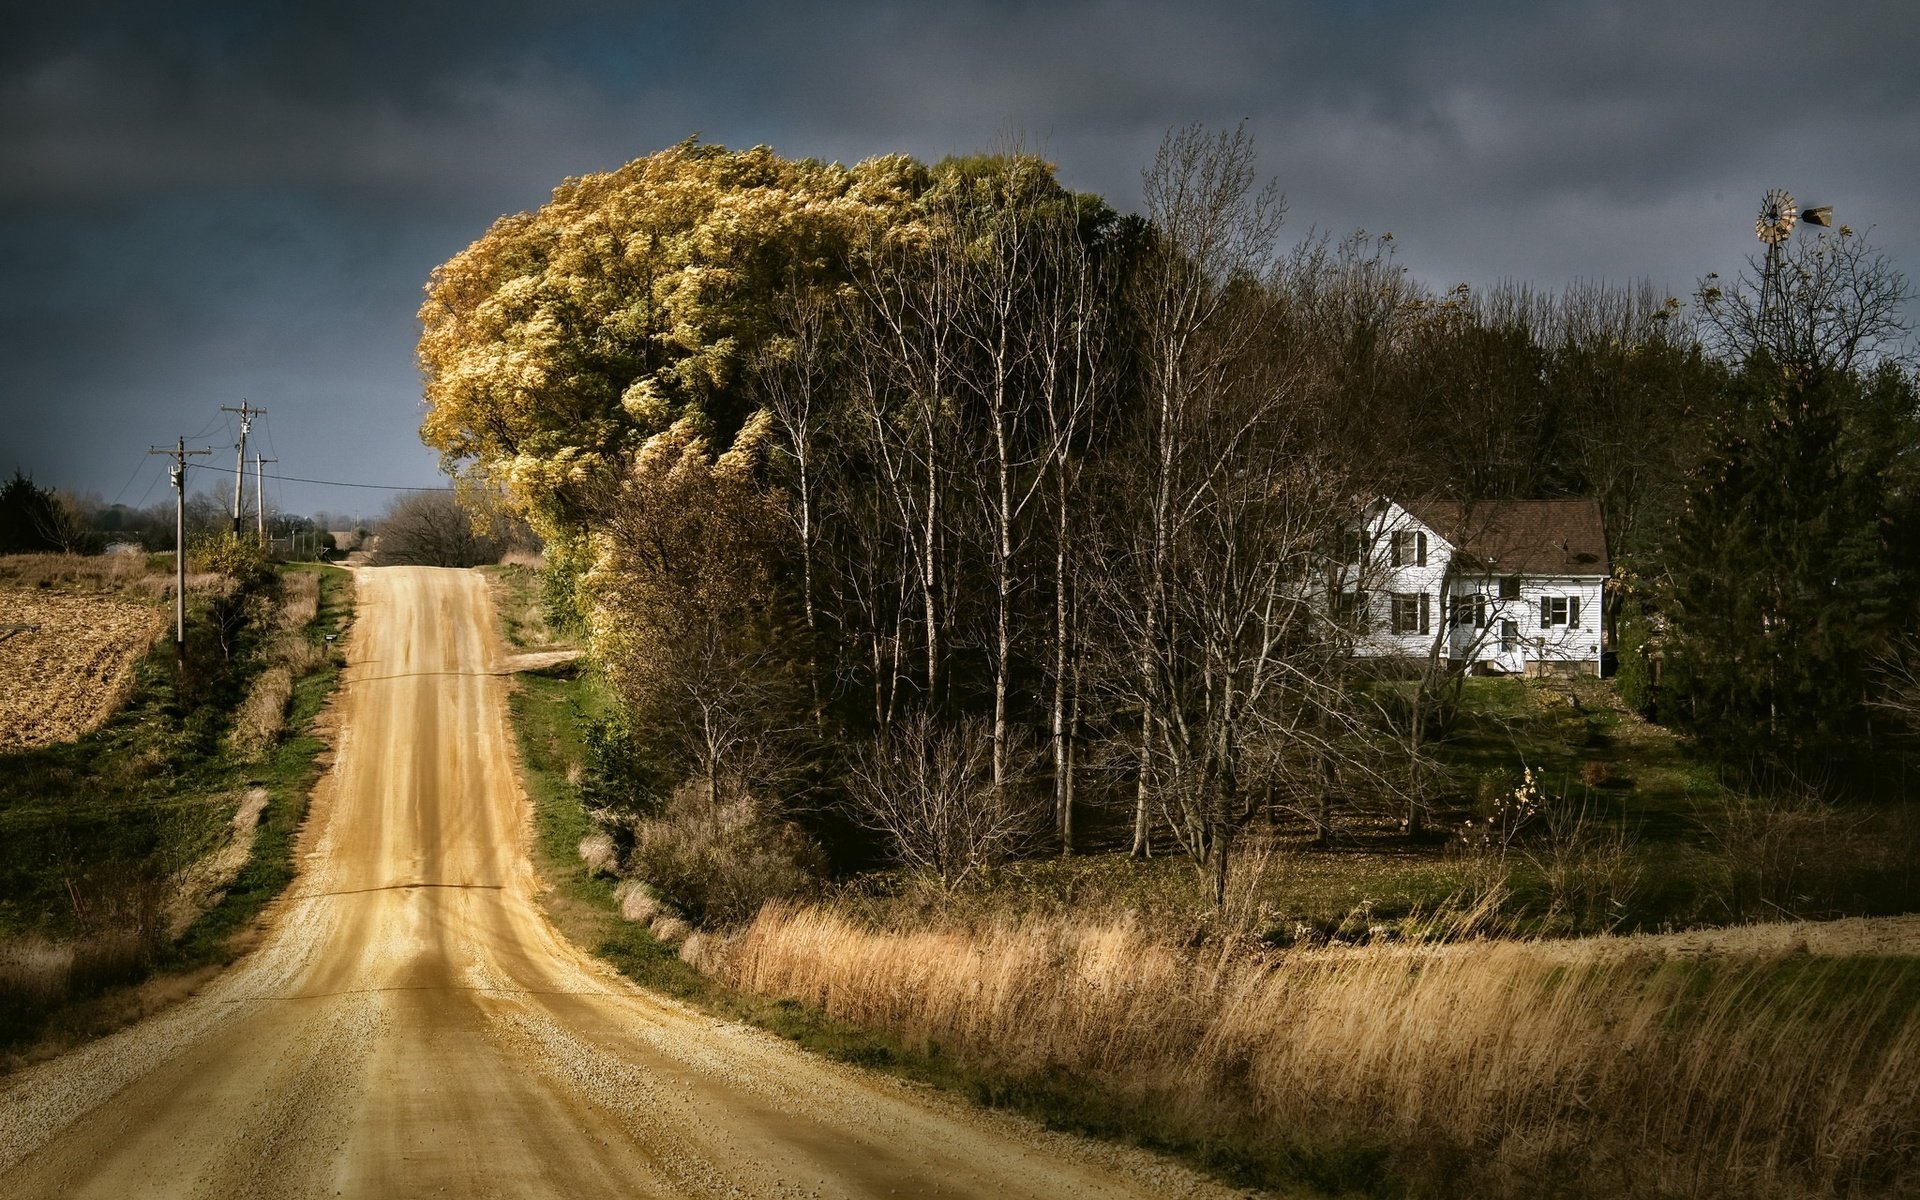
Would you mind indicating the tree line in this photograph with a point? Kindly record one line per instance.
(952, 501)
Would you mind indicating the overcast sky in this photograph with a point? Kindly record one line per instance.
(205, 202)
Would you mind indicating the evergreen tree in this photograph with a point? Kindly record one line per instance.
(1783, 567)
(29, 516)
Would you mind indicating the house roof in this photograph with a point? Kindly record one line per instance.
(1522, 537)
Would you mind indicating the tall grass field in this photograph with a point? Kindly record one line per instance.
(1516, 1068)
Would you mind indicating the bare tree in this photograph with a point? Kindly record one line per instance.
(1829, 302)
(1213, 237)
(1000, 227)
(796, 372)
(1075, 376)
(904, 353)
(431, 529)
(928, 788)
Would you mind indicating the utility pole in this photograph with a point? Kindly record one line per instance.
(260, 494)
(178, 470)
(247, 414)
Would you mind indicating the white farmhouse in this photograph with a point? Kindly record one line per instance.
(1500, 587)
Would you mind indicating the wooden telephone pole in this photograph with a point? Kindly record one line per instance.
(178, 470)
(247, 414)
(260, 494)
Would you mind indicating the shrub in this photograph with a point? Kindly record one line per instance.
(719, 862)
(238, 558)
(616, 775)
(1634, 674)
(928, 791)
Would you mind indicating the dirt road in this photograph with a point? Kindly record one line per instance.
(411, 1026)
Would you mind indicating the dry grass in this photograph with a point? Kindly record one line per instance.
(124, 931)
(291, 654)
(299, 600)
(1485, 1068)
(77, 572)
(522, 611)
(258, 720)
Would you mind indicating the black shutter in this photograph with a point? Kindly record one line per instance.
(1546, 613)
(1426, 618)
(1573, 613)
(1420, 549)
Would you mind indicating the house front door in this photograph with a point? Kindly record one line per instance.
(1510, 651)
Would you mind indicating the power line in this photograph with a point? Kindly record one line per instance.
(208, 427)
(142, 501)
(383, 487)
(131, 476)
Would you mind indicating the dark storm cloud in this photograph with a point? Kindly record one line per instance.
(203, 198)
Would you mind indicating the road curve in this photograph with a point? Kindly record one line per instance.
(411, 1025)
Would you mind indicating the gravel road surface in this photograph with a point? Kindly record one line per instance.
(410, 1025)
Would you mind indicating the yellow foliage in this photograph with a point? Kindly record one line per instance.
(563, 339)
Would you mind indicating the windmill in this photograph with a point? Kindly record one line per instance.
(1774, 226)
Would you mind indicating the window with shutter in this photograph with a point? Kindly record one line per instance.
(1410, 612)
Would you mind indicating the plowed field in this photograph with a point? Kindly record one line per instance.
(64, 678)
